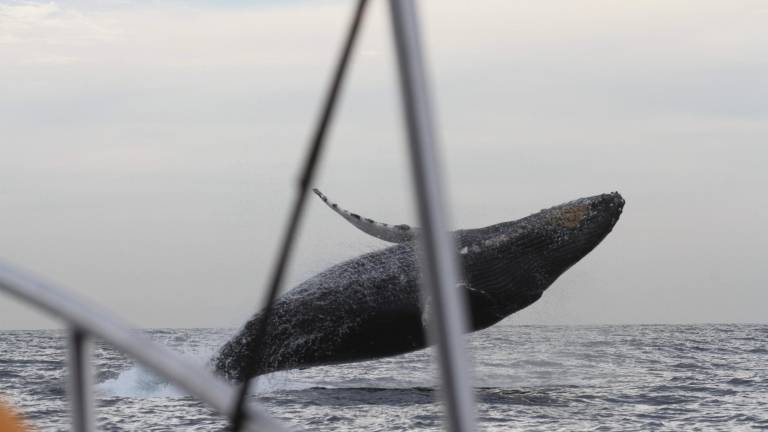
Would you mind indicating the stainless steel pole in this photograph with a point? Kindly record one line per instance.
(439, 270)
(80, 400)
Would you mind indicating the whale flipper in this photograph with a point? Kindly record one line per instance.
(392, 233)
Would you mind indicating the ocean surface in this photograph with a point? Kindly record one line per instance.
(532, 378)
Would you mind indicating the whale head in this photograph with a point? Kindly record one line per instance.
(508, 266)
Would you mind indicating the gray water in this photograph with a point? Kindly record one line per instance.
(640, 377)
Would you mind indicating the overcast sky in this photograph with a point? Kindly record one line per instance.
(149, 148)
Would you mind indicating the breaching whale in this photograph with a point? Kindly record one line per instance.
(370, 307)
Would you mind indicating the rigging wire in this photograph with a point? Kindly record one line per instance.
(307, 174)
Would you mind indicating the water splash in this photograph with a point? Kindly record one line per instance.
(138, 382)
(135, 381)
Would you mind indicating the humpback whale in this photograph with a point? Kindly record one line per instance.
(370, 306)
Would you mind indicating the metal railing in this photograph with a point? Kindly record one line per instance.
(437, 259)
(439, 269)
(85, 320)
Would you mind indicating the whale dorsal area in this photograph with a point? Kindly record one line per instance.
(392, 233)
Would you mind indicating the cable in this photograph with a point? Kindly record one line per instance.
(308, 171)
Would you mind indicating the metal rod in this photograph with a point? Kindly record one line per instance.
(97, 322)
(437, 250)
(79, 389)
(305, 181)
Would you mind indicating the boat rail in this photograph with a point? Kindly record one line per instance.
(85, 321)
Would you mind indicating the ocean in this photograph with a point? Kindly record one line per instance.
(528, 378)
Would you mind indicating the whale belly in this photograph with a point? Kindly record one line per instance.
(358, 310)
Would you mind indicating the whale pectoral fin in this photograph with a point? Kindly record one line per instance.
(382, 231)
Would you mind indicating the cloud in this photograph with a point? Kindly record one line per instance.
(47, 34)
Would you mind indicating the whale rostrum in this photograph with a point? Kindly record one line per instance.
(369, 307)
